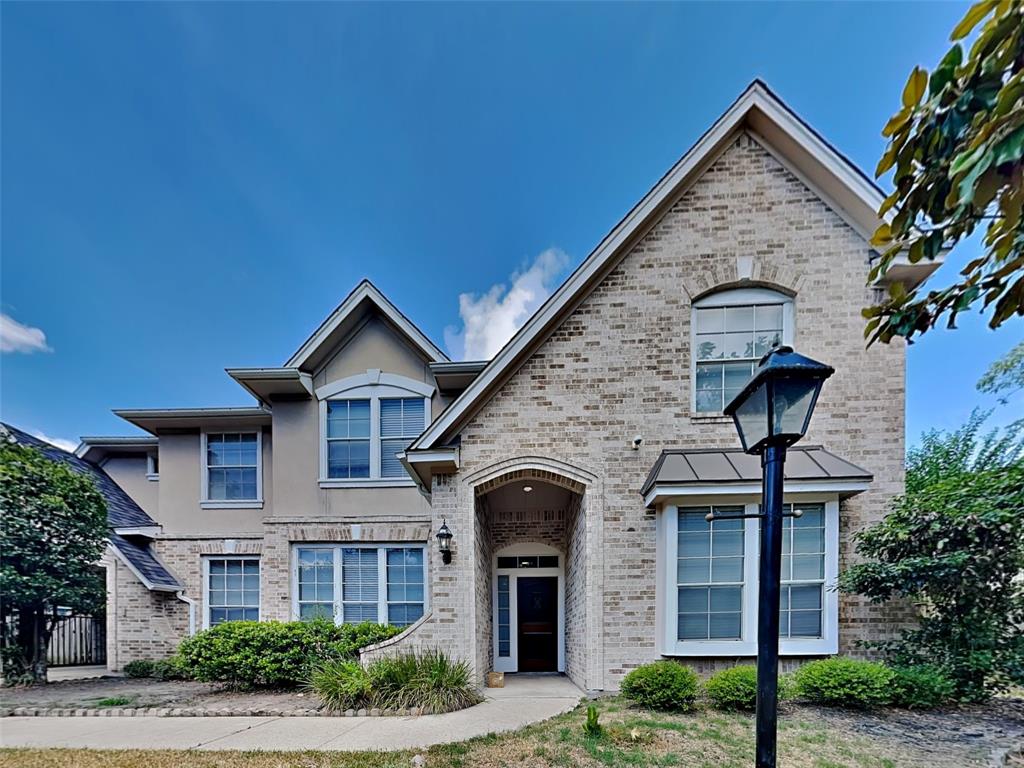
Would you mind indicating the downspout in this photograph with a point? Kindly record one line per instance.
(180, 594)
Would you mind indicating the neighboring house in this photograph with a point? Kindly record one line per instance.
(574, 548)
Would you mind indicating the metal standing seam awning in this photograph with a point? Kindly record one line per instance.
(809, 469)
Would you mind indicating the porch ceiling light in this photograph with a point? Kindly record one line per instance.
(527, 488)
(775, 406)
(444, 542)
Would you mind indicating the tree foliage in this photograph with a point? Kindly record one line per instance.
(1005, 376)
(957, 147)
(954, 544)
(53, 527)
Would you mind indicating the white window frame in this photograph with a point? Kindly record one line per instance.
(206, 583)
(736, 297)
(374, 386)
(205, 502)
(382, 575)
(153, 467)
(746, 645)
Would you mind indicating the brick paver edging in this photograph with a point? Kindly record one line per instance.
(203, 712)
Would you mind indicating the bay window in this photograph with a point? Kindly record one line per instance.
(708, 571)
(356, 583)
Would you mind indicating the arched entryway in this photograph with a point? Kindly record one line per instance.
(531, 568)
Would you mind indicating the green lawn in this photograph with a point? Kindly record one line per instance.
(633, 738)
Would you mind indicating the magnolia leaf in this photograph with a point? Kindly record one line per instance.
(915, 87)
(888, 161)
(882, 235)
(896, 122)
(970, 20)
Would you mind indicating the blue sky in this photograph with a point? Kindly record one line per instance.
(187, 187)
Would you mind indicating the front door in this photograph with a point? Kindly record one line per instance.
(537, 604)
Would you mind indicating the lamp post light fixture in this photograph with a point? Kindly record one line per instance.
(771, 413)
(444, 542)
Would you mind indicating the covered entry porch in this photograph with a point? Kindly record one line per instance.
(531, 573)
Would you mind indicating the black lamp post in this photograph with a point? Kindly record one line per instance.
(771, 413)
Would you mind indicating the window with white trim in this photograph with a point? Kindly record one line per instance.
(732, 330)
(232, 467)
(357, 583)
(232, 589)
(803, 571)
(708, 585)
(710, 575)
(366, 421)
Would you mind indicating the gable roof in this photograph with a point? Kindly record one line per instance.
(346, 316)
(833, 176)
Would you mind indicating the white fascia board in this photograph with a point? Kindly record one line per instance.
(756, 96)
(365, 290)
(434, 456)
(141, 443)
(149, 531)
(245, 375)
(660, 493)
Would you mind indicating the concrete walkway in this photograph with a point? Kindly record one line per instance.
(60, 674)
(522, 701)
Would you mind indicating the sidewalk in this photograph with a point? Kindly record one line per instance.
(524, 700)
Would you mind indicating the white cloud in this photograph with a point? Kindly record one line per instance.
(15, 337)
(60, 442)
(491, 319)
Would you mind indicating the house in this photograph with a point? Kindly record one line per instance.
(574, 469)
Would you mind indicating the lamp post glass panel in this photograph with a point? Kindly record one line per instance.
(771, 413)
(444, 542)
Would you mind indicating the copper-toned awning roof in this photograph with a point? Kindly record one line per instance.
(730, 466)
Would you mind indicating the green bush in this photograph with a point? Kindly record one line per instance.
(429, 680)
(592, 728)
(840, 682)
(662, 685)
(139, 668)
(170, 669)
(922, 687)
(248, 654)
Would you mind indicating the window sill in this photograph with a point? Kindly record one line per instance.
(234, 504)
(709, 418)
(371, 482)
(810, 647)
(153, 477)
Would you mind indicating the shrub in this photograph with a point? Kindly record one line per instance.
(734, 688)
(922, 687)
(139, 668)
(661, 685)
(170, 669)
(247, 654)
(429, 680)
(341, 684)
(839, 682)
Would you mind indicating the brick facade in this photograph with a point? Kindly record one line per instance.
(617, 366)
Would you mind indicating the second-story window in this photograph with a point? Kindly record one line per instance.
(231, 471)
(732, 330)
(365, 422)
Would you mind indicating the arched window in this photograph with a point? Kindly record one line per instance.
(732, 330)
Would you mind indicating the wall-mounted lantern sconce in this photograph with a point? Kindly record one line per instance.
(444, 542)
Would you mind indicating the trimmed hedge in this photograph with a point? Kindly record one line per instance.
(840, 682)
(662, 685)
(251, 654)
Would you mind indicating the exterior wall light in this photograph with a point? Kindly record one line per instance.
(771, 413)
(444, 542)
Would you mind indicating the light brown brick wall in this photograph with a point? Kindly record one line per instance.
(619, 366)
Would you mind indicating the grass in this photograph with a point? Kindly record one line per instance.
(115, 701)
(630, 738)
